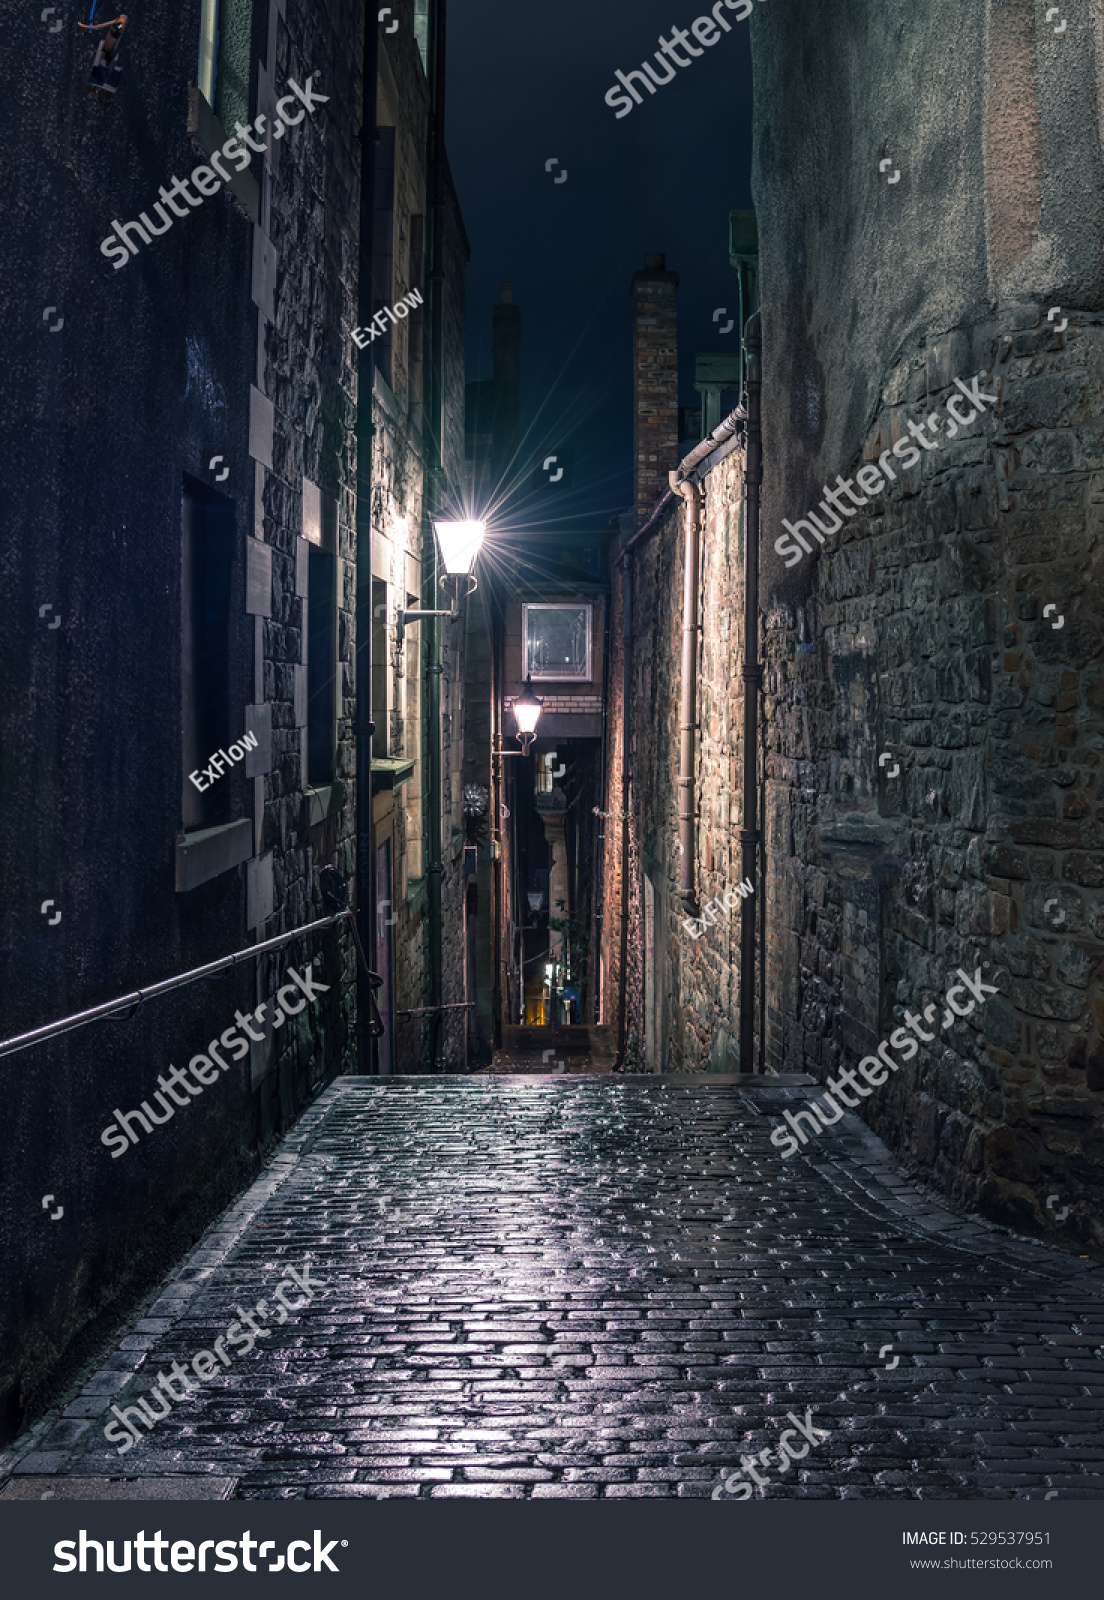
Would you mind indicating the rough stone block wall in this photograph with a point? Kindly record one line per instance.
(310, 375)
(102, 836)
(924, 637)
(917, 634)
(697, 979)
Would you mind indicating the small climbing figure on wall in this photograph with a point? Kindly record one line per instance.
(106, 70)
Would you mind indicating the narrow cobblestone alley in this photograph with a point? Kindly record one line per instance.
(585, 1287)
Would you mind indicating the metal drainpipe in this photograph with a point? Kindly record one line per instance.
(750, 835)
(365, 727)
(700, 453)
(600, 843)
(688, 694)
(626, 671)
(432, 503)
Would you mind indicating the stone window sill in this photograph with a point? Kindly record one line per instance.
(209, 852)
(210, 135)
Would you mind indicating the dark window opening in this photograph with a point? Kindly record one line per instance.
(383, 234)
(380, 668)
(208, 556)
(321, 661)
(415, 325)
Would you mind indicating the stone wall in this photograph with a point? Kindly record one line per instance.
(932, 732)
(696, 1004)
(916, 637)
(307, 367)
(155, 370)
(402, 540)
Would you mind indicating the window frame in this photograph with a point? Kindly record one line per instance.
(557, 677)
(207, 71)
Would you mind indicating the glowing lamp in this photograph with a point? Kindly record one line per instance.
(527, 710)
(460, 542)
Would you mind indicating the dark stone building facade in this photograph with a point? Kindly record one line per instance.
(178, 569)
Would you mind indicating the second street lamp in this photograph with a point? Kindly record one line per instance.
(527, 710)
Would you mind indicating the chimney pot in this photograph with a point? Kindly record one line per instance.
(506, 298)
(655, 261)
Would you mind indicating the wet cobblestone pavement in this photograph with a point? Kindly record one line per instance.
(598, 1287)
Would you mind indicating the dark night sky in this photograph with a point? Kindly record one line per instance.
(526, 83)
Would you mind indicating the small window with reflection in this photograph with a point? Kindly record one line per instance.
(557, 642)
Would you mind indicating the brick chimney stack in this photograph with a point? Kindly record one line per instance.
(655, 382)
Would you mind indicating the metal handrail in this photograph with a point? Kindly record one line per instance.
(126, 1002)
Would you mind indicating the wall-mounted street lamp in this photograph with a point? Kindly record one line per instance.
(527, 710)
(460, 544)
(536, 899)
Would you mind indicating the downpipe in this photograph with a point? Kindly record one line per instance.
(626, 678)
(751, 674)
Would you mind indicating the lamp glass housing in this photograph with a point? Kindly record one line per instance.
(460, 543)
(527, 708)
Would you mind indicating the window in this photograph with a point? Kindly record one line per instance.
(381, 661)
(321, 665)
(416, 280)
(225, 27)
(208, 555)
(421, 31)
(383, 251)
(208, 49)
(557, 642)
